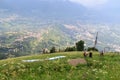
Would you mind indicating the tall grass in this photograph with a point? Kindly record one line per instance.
(97, 68)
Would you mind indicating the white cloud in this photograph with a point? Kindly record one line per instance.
(90, 3)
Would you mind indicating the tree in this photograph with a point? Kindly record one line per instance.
(80, 45)
(53, 50)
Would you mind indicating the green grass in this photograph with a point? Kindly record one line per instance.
(105, 67)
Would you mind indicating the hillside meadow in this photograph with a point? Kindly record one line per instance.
(105, 67)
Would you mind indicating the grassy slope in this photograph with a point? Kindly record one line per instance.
(97, 68)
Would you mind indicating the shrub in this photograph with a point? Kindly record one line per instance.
(92, 49)
(70, 49)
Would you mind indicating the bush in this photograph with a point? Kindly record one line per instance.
(70, 49)
(92, 49)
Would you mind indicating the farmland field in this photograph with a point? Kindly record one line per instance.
(105, 67)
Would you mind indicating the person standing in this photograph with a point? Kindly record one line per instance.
(90, 54)
(102, 53)
(85, 53)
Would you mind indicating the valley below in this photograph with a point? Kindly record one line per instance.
(23, 36)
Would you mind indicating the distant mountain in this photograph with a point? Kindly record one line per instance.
(62, 9)
(57, 9)
(52, 8)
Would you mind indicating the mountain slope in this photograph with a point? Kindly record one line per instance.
(43, 8)
(28, 26)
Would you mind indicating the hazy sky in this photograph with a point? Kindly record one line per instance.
(85, 3)
(113, 5)
(91, 3)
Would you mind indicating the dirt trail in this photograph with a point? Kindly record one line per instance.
(75, 62)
